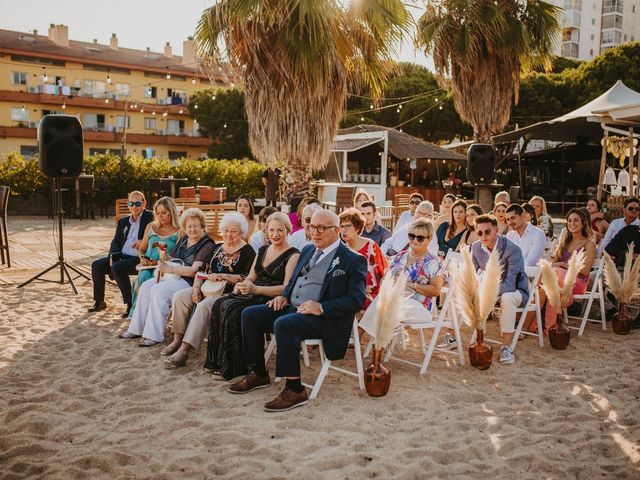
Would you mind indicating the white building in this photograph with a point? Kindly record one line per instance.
(590, 27)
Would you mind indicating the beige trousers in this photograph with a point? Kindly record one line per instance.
(195, 328)
(509, 301)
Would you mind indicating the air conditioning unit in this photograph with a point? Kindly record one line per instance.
(35, 89)
(33, 124)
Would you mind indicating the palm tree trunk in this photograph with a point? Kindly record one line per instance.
(298, 176)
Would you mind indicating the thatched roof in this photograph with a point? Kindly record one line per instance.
(401, 145)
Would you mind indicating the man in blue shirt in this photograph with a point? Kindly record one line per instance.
(372, 229)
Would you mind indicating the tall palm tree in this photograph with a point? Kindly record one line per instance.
(294, 60)
(481, 47)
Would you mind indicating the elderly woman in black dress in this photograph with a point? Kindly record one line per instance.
(270, 273)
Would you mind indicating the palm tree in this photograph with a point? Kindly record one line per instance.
(481, 47)
(294, 60)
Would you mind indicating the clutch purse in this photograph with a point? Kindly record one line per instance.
(212, 289)
(170, 276)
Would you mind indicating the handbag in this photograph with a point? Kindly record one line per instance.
(212, 288)
(170, 276)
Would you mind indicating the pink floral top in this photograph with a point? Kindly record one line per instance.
(420, 272)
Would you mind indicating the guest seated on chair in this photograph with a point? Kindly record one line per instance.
(261, 238)
(530, 239)
(450, 233)
(325, 292)
(352, 224)
(244, 205)
(229, 262)
(500, 212)
(473, 212)
(529, 214)
(162, 233)
(270, 273)
(302, 238)
(631, 210)
(598, 224)
(445, 210)
(514, 285)
(399, 241)
(502, 197)
(154, 298)
(123, 254)
(372, 229)
(426, 276)
(407, 216)
(542, 217)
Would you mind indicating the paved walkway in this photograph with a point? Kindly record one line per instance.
(33, 245)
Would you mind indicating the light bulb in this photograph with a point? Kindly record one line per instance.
(400, 107)
(371, 107)
(195, 106)
(400, 130)
(109, 79)
(193, 81)
(164, 114)
(64, 105)
(362, 119)
(142, 110)
(420, 120)
(180, 111)
(440, 107)
(22, 109)
(106, 100)
(397, 110)
(213, 97)
(153, 113)
(168, 76)
(225, 125)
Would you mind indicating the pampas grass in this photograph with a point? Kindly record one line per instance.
(391, 309)
(556, 296)
(549, 283)
(477, 294)
(623, 288)
(576, 263)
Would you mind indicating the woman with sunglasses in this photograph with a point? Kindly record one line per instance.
(426, 277)
(351, 227)
(450, 233)
(162, 233)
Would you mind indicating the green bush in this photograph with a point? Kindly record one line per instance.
(116, 180)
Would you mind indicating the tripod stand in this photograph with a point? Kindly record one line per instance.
(56, 198)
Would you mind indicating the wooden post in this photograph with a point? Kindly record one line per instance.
(631, 157)
(603, 163)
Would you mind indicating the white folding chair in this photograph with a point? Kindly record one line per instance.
(596, 292)
(532, 305)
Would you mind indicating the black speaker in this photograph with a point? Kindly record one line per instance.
(481, 163)
(60, 142)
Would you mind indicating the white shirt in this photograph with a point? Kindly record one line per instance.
(258, 240)
(404, 219)
(400, 239)
(328, 250)
(132, 237)
(299, 239)
(614, 228)
(532, 243)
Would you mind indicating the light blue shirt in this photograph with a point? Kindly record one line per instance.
(132, 237)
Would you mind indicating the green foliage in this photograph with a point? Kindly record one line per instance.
(239, 176)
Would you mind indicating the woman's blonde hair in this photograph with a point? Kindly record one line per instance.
(282, 218)
(544, 204)
(170, 206)
(422, 224)
(361, 191)
(193, 213)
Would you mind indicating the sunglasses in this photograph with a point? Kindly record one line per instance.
(633, 209)
(419, 238)
(414, 202)
(482, 233)
(134, 204)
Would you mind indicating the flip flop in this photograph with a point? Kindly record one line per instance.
(146, 342)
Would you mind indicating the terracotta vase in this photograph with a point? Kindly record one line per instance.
(480, 353)
(621, 322)
(377, 377)
(560, 335)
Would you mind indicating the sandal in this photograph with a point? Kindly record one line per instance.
(146, 342)
(169, 350)
(128, 335)
(170, 363)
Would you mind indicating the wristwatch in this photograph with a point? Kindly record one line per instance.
(321, 309)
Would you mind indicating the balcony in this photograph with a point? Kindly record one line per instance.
(612, 7)
(570, 50)
(572, 4)
(571, 19)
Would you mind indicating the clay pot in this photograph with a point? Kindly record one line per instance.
(480, 353)
(560, 335)
(621, 322)
(377, 377)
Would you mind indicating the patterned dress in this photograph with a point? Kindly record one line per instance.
(224, 349)
(376, 267)
(420, 272)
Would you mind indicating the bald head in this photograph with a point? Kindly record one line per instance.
(329, 222)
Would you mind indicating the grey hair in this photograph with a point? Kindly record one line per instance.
(311, 208)
(425, 204)
(193, 213)
(237, 218)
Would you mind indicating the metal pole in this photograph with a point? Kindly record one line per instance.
(124, 135)
(631, 157)
(603, 162)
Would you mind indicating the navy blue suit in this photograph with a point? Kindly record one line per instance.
(342, 296)
(121, 265)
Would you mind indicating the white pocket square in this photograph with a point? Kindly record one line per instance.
(338, 273)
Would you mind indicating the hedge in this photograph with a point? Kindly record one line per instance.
(239, 176)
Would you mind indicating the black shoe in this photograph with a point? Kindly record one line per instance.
(97, 306)
(127, 313)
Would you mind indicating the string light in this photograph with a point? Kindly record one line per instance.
(109, 81)
(225, 124)
(362, 119)
(168, 74)
(45, 77)
(193, 81)
(420, 120)
(371, 107)
(213, 97)
(106, 100)
(400, 106)
(440, 107)
(142, 110)
(397, 110)
(64, 105)
(180, 111)
(195, 106)
(164, 114)
(22, 109)
(153, 113)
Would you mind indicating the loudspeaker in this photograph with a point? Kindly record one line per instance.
(481, 163)
(60, 142)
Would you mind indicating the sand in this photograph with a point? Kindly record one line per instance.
(76, 402)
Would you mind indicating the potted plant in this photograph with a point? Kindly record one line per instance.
(559, 297)
(390, 313)
(476, 296)
(624, 288)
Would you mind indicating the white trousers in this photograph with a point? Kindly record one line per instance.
(416, 313)
(509, 301)
(152, 308)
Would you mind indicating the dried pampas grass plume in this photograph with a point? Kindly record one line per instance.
(477, 295)
(549, 283)
(576, 263)
(556, 296)
(623, 288)
(391, 309)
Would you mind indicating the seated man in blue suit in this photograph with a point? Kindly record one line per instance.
(326, 290)
(123, 254)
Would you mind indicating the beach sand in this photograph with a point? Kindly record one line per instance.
(76, 402)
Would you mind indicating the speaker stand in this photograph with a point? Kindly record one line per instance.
(56, 198)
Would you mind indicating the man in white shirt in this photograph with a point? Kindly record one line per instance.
(530, 239)
(400, 239)
(631, 210)
(302, 238)
(409, 216)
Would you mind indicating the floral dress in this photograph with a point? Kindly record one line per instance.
(376, 266)
(420, 272)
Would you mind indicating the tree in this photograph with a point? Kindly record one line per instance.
(221, 116)
(481, 47)
(293, 59)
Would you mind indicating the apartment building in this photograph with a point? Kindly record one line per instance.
(123, 97)
(590, 27)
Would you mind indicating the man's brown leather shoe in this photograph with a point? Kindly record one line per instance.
(251, 382)
(287, 400)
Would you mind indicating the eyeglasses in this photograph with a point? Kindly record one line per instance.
(134, 204)
(482, 233)
(419, 238)
(320, 228)
(633, 209)
(414, 202)
(345, 226)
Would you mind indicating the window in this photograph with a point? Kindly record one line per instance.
(150, 123)
(38, 60)
(95, 88)
(150, 92)
(591, 52)
(19, 78)
(175, 127)
(611, 36)
(593, 21)
(98, 151)
(612, 21)
(92, 121)
(20, 114)
(58, 81)
(123, 89)
(593, 37)
(120, 121)
(177, 155)
(28, 151)
(148, 152)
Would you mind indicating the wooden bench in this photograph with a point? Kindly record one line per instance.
(213, 213)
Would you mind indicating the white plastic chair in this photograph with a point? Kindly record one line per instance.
(532, 305)
(596, 293)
